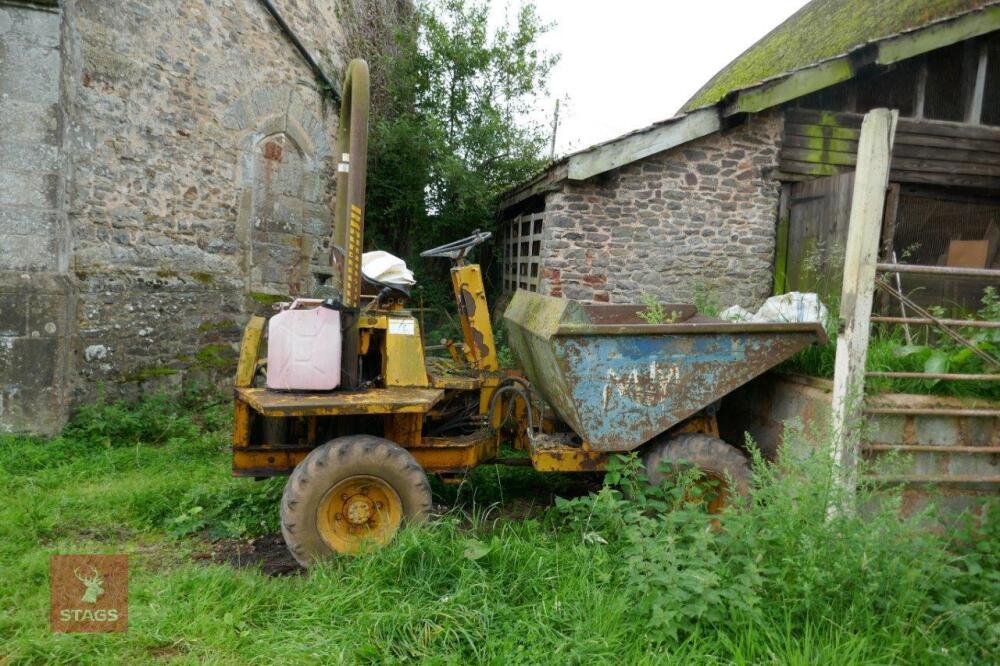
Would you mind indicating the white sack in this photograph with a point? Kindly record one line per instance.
(794, 307)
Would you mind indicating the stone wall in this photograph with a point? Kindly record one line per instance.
(691, 223)
(37, 316)
(177, 174)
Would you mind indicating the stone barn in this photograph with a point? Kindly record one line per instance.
(746, 192)
(167, 170)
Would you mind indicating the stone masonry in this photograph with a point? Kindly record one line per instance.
(168, 170)
(694, 222)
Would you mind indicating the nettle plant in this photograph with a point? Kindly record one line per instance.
(780, 559)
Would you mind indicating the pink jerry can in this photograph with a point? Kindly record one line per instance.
(303, 348)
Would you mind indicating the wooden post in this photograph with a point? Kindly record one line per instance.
(860, 256)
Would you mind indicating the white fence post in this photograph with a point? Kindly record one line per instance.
(861, 253)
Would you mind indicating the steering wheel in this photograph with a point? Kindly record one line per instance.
(458, 249)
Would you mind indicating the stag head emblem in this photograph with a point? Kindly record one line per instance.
(94, 584)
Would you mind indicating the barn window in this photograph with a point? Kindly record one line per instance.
(522, 252)
(943, 99)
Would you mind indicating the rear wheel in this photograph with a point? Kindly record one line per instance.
(726, 471)
(351, 495)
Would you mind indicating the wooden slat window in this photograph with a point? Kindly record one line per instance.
(522, 252)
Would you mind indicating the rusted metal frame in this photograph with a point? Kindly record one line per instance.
(959, 323)
(404, 429)
(258, 462)
(954, 271)
(456, 454)
(935, 480)
(933, 375)
(603, 314)
(569, 459)
(934, 411)
(246, 367)
(477, 329)
(689, 329)
(241, 423)
(950, 332)
(372, 401)
(931, 448)
(349, 218)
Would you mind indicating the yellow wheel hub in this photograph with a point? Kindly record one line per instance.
(713, 488)
(359, 512)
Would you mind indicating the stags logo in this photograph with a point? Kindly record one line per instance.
(88, 592)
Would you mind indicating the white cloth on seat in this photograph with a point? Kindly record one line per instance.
(386, 268)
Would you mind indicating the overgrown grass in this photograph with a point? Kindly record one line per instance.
(594, 579)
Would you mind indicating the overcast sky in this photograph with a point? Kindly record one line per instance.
(628, 63)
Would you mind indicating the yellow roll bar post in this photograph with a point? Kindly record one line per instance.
(349, 214)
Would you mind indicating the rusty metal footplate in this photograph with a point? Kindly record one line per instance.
(397, 400)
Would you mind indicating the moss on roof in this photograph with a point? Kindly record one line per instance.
(820, 30)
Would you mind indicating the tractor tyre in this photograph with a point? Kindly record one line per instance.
(725, 468)
(350, 495)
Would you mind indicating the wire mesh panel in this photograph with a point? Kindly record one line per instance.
(522, 252)
(939, 228)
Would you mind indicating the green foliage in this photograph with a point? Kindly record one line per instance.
(783, 561)
(706, 300)
(627, 574)
(228, 510)
(823, 30)
(458, 130)
(654, 312)
(152, 421)
(930, 352)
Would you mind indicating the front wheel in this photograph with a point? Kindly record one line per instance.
(349, 495)
(725, 470)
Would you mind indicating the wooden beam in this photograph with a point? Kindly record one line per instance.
(938, 35)
(791, 87)
(974, 112)
(860, 255)
(644, 143)
(781, 240)
(548, 181)
(842, 68)
(921, 90)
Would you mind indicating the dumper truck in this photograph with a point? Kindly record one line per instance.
(590, 381)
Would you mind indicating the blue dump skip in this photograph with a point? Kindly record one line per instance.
(619, 381)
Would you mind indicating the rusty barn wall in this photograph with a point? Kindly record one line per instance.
(697, 218)
(189, 179)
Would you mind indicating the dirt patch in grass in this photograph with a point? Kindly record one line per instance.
(267, 552)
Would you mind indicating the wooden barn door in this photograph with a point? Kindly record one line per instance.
(814, 223)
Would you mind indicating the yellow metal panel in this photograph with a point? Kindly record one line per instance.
(241, 424)
(474, 313)
(352, 280)
(567, 459)
(455, 454)
(403, 362)
(397, 400)
(373, 321)
(404, 429)
(266, 463)
(249, 350)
